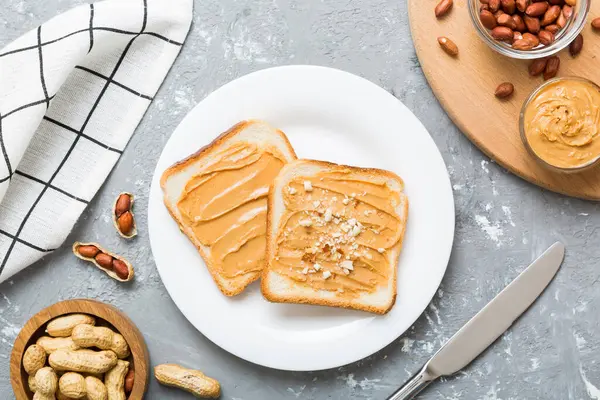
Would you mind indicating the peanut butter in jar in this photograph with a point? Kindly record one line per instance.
(560, 123)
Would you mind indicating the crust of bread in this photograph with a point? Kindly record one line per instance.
(205, 151)
(315, 297)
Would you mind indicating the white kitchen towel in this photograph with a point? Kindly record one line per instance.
(71, 94)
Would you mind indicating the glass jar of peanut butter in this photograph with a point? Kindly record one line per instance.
(560, 124)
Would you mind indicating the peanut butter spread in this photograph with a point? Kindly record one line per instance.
(226, 206)
(562, 123)
(336, 231)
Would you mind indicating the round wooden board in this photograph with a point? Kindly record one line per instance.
(465, 87)
(34, 328)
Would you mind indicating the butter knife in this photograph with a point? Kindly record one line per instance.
(488, 324)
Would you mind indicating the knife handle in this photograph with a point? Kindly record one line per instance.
(413, 387)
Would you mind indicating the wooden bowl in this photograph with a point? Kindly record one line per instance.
(35, 327)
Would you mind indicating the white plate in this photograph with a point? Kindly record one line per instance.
(329, 115)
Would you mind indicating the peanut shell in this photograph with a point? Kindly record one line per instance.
(189, 380)
(108, 270)
(120, 221)
(63, 326)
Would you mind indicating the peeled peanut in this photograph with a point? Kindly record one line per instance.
(487, 19)
(535, 41)
(63, 326)
(104, 260)
(123, 217)
(120, 268)
(502, 33)
(576, 46)
(50, 344)
(537, 9)
(443, 8)
(129, 380)
(494, 5)
(190, 380)
(504, 90)
(34, 359)
(533, 24)
(89, 251)
(537, 66)
(551, 15)
(114, 380)
(46, 382)
(125, 223)
(448, 46)
(552, 67)
(83, 361)
(123, 204)
(546, 37)
(102, 338)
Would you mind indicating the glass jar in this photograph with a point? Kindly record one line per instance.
(564, 37)
(522, 128)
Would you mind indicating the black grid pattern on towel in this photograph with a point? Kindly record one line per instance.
(78, 133)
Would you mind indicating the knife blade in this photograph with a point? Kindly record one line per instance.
(488, 324)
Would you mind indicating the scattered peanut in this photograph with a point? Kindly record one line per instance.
(596, 23)
(34, 359)
(190, 380)
(443, 8)
(129, 380)
(72, 385)
(46, 382)
(123, 218)
(576, 46)
(448, 46)
(115, 381)
(50, 344)
(63, 326)
(537, 66)
(101, 337)
(504, 90)
(82, 361)
(552, 67)
(114, 266)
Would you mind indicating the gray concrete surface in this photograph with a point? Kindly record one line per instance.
(502, 221)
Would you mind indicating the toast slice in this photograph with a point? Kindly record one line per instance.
(218, 196)
(334, 236)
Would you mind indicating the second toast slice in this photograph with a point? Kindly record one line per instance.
(334, 236)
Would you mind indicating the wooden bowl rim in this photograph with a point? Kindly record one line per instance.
(107, 312)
